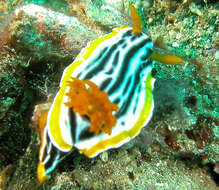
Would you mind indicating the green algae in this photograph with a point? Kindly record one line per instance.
(98, 3)
(59, 5)
(216, 131)
(39, 2)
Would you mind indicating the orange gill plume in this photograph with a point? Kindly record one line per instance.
(88, 100)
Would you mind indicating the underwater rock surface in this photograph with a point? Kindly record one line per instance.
(49, 35)
(179, 149)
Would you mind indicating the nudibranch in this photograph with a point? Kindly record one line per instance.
(104, 100)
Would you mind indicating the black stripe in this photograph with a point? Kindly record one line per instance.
(126, 64)
(134, 37)
(136, 99)
(117, 100)
(105, 83)
(52, 155)
(127, 34)
(99, 67)
(102, 64)
(136, 84)
(126, 104)
(73, 124)
(85, 135)
(115, 60)
(91, 66)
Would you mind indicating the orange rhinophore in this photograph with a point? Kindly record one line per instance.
(88, 100)
(137, 22)
(166, 58)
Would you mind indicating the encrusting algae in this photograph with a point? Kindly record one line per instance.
(92, 102)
